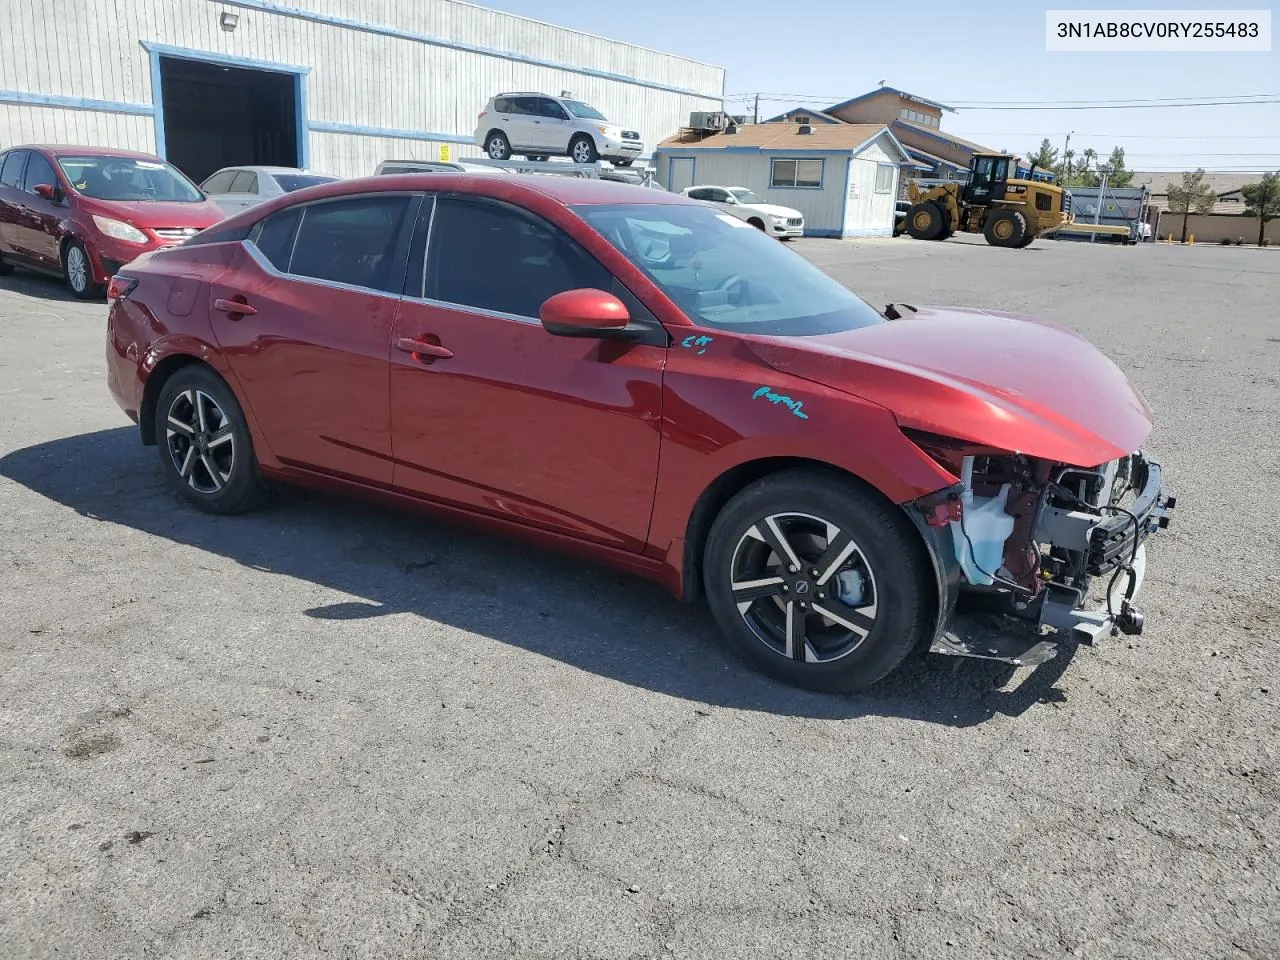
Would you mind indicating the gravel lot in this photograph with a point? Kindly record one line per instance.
(329, 730)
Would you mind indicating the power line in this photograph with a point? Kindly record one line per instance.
(1210, 99)
(1125, 136)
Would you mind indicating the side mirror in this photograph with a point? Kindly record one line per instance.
(729, 198)
(585, 313)
(48, 191)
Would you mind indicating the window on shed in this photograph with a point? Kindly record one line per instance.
(884, 177)
(796, 173)
(801, 118)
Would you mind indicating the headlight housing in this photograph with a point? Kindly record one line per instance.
(119, 230)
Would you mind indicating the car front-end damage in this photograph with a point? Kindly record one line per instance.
(1032, 553)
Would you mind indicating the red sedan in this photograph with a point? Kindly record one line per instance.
(83, 212)
(642, 380)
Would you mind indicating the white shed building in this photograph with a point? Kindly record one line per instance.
(336, 86)
(842, 177)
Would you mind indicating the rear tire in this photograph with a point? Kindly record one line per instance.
(206, 451)
(1005, 228)
(497, 146)
(78, 269)
(858, 566)
(757, 223)
(5, 268)
(925, 221)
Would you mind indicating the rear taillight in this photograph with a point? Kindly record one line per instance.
(120, 287)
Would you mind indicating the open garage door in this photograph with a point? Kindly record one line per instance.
(220, 116)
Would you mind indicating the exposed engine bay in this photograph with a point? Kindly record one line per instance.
(1035, 541)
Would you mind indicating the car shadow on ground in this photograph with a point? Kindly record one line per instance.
(41, 285)
(594, 619)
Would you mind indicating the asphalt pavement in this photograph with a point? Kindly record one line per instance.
(328, 730)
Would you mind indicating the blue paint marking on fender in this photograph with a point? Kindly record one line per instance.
(693, 340)
(795, 406)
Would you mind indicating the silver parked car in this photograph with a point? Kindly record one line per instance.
(237, 188)
(540, 126)
(390, 167)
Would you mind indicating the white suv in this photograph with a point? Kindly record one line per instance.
(742, 203)
(539, 126)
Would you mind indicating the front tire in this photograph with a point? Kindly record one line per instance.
(205, 447)
(78, 269)
(1005, 228)
(815, 582)
(5, 268)
(583, 150)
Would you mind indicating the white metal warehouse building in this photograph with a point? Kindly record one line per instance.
(842, 177)
(335, 86)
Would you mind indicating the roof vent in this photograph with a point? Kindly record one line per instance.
(731, 129)
(804, 129)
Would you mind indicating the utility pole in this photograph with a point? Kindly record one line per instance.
(1066, 164)
(755, 116)
(1103, 169)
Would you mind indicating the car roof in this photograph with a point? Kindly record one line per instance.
(69, 150)
(531, 188)
(267, 169)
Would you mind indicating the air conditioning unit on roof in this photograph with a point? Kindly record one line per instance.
(706, 120)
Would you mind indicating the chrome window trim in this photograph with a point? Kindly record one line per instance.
(269, 268)
(478, 311)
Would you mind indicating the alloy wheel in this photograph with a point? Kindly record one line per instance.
(803, 587)
(77, 270)
(582, 152)
(200, 441)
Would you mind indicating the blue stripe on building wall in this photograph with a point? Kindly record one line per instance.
(330, 20)
(26, 99)
(389, 133)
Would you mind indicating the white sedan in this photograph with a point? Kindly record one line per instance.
(774, 220)
(237, 188)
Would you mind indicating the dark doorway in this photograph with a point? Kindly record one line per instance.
(216, 116)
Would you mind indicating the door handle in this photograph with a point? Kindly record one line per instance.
(423, 351)
(235, 307)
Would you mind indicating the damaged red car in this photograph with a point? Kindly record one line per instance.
(649, 383)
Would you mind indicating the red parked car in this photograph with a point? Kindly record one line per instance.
(83, 212)
(642, 380)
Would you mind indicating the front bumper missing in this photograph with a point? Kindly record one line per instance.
(1113, 546)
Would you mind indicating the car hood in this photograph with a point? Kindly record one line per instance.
(156, 213)
(772, 209)
(992, 378)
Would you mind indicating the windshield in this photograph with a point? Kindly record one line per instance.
(580, 109)
(724, 273)
(290, 182)
(125, 178)
(743, 195)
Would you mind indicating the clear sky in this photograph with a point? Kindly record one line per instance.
(831, 50)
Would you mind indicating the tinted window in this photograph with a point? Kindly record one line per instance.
(549, 108)
(11, 171)
(724, 273)
(390, 171)
(701, 193)
(502, 105)
(245, 182)
(290, 182)
(527, 106)
(352, 241)
(39, 171)
(219, 182)
(475, 243)
(274, 237)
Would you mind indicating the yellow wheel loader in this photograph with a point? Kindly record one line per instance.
(993, 201)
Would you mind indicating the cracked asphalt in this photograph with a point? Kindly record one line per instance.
(327, 730)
